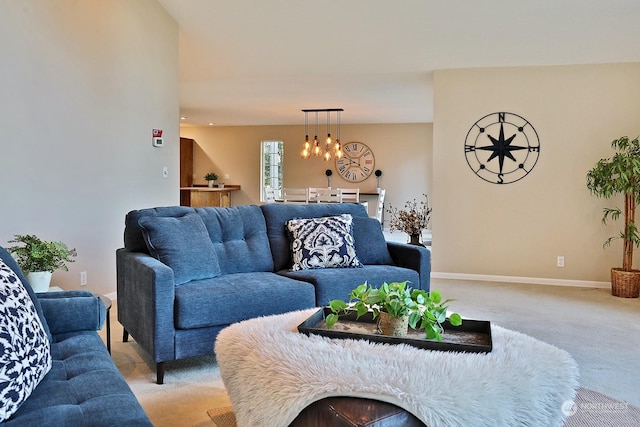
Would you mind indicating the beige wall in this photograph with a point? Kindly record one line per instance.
(519, 229)
(85, 82)
(402, 152)
(82, 84)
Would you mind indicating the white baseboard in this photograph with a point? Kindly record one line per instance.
(519, 279)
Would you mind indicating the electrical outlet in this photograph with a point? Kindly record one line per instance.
(560, 261)
(83, 278)
(226, 176)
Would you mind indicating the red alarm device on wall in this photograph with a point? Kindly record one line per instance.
(157, 138)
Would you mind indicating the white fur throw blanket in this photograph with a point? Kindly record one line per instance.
(272, 372)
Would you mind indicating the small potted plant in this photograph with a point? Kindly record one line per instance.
(413, 219)
(38, 259)
(211, 178)
(397, 306)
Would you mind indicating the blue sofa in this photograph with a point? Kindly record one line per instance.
(184, 273)
(83, 386)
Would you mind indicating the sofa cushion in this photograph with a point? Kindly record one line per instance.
(234, 297)
(276, 216)
(337, 283)
(183, 244)
(371, 246)
(133, 237)
(325, 242)
(239, 234)
(26, 356)
(83, 388)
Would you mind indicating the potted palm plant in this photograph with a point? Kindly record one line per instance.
(397, 306)
(38, 259)
(620, 175)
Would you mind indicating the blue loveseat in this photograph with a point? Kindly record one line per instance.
(83, 386)
(184, 273)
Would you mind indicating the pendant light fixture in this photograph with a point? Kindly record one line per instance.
(316, 144)
(337, 146)
(327, 146)
(306, 148)
(330, 149)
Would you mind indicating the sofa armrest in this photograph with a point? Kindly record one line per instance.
(415, 257)
(146, 298)
(72, 311)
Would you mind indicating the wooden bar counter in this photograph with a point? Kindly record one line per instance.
(205, 196)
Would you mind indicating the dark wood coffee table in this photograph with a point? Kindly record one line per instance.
(344, 411)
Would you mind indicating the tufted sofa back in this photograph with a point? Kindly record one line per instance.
(238, 233)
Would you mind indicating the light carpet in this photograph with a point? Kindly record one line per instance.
(601, 332)
(589, 409)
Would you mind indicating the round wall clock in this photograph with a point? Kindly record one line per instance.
(502, 148)
(357, 163)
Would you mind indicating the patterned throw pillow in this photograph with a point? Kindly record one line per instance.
(26, 352)
(322, 242)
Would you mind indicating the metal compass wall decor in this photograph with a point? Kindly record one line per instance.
(502, 148)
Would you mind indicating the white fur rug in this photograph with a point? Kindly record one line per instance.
(272, 372)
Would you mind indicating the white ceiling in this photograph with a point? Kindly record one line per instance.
(256, 62)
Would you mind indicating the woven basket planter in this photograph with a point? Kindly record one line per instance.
(393, 326)
(625, 284)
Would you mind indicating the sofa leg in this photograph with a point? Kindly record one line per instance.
(125, 335)
(160, 372)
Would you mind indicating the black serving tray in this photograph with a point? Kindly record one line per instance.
(473, 336)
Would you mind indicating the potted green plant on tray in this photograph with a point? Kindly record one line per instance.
(38, 259)
(211, 178)
(397, 306)
(620, 175)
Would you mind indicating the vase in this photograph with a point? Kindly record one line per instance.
(393, 326)
(211, 184)
(39, 281)
(414, 239)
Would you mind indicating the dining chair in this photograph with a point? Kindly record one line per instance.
(380, 208)
(350, 195)
(295, 195)
(313, 194)
(269, 195)
(329, 195)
